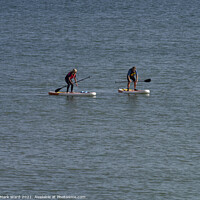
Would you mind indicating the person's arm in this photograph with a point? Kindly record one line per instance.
(70, 80)
(75, 81)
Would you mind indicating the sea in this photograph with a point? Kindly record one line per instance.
(112, 146)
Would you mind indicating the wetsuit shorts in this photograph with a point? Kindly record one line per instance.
(132, 78)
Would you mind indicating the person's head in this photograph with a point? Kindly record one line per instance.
(134, 69)
(74, 71)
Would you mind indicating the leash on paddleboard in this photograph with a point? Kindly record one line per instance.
(147, 80)
(66, 85)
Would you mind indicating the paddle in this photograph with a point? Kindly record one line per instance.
(66, 85)
(147, 80)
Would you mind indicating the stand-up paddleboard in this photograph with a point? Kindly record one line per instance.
(125, 91)
(83, 93)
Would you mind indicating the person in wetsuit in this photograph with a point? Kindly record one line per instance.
(68, 79)
(132, 76)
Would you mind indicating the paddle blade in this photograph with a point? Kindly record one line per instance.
(147, 80)
(57, 90)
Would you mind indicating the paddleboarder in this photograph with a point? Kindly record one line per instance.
(68, 79)
(132, 76)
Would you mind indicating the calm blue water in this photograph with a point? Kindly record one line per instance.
(112, 146)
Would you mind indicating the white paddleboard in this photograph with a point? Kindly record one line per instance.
(125, 91)
(83, 93)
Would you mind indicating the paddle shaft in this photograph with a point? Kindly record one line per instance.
(147, 80)
(66, 85)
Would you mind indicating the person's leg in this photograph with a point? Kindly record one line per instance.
(72, 86)
(68, 87)
(128, 85)
(68, 84)
(135, 84)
